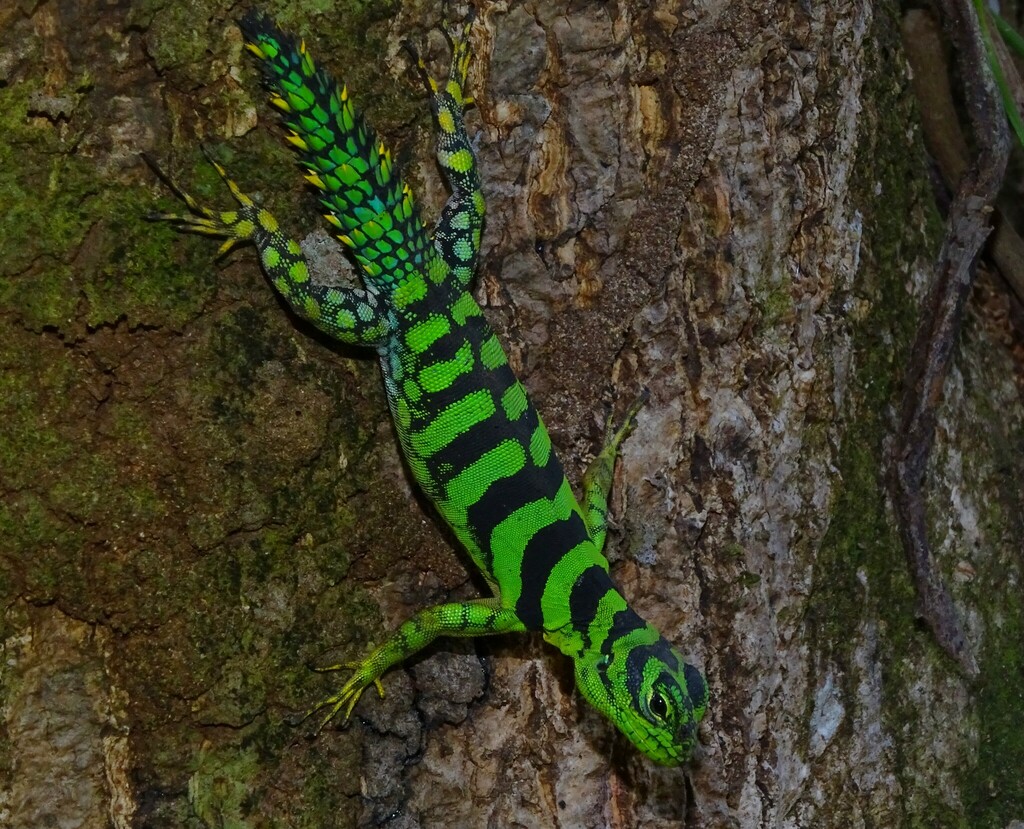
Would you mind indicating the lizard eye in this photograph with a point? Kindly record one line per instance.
(658, 706)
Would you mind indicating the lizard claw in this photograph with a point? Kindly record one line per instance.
(458, 43)
(346, 698)
(613, 436)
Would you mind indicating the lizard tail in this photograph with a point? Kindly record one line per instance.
(365, 199)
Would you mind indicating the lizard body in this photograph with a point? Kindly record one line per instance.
(470, 435)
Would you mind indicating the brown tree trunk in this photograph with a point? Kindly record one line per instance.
(728, 203)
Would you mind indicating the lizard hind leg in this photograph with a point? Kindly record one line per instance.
(355, 316)
(233, 225)
(457, 234)
(458, 69)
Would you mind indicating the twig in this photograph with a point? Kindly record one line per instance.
(967, 227)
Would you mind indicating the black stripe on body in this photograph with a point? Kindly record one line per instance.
(449, 461)
(475, 331)
(543, 551)
(585, 597)
(431, 404)
(624, 622)
(467, 446)
(445, 347)
(506, 496)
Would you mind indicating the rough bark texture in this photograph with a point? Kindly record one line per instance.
(726, 202)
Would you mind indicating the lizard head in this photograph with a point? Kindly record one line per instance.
(648, 690)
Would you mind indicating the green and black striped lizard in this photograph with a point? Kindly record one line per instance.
(470, 435)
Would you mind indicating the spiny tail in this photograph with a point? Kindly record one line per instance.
(365, 197)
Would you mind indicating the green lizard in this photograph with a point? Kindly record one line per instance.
(470, 435)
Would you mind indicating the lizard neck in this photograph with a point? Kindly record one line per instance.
(599, 616)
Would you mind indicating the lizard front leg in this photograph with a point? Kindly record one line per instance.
(597, 480)
(481, 617)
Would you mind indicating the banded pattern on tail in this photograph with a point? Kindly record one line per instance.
(367, 202)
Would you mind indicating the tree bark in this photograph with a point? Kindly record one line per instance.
(200, 499)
